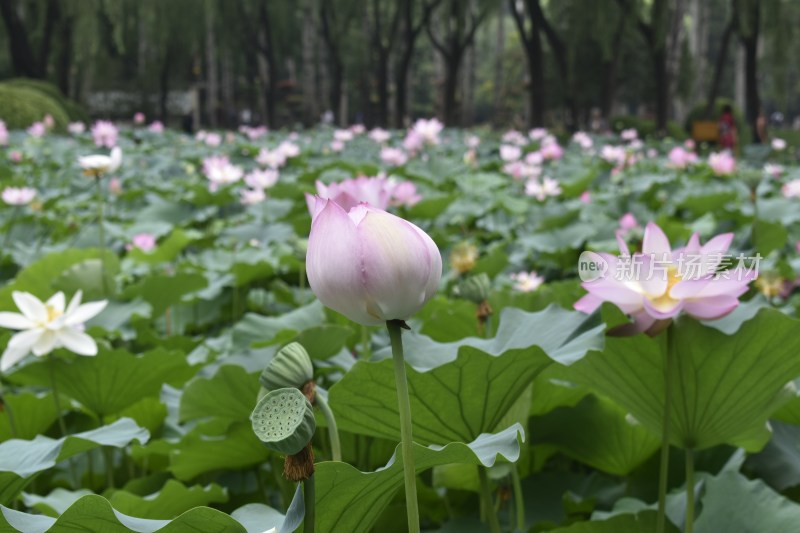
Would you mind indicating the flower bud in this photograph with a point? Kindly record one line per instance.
(291, 367)
(463, 257)
(284, 421)
(370, 265)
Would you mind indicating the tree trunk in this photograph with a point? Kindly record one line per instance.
(163, 85)
(64, 61)
(499, 52)
(610, 69)
(212, 89)
(19, 46)
(719, 67)
(382, 75)
(311, 107)
(401, 86)
(52, 14)
(662, 88)
(752, 101)
(450, 96)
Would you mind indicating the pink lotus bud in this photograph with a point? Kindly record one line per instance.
(138, 118)
(144, 241)
(115, 186)
(369, 265)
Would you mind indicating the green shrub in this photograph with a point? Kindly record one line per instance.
(21, 106)
(74, 110)
(699, 113)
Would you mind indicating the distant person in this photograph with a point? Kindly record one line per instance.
(761, 128)
(728, 136)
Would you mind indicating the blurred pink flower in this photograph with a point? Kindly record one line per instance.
(252, 196)
(542, 189)
(537, 134)
(526, 281)
(582, 139)
(358, 129)
(629, 134)
(76, 128)
(722, 163)
(15, 156)
(220, 171)
(551, 151)
(37, 129)
(428, 130)
(628, 222)
(104, 133)
(145, 242)
(261, 179)
(791, 189)
(138, 118)
(586, 197)
(773, 171)
(158, 127)
(473, 141)
(48, 121)
(337, 145)
(288, 149)
(3, 134)
(403, 193)
(393, 156)
(271, 158)
(509, 153)
(18, 195)
(212, 139)
(380, 135)
(778, 144)
(667, 282)
(515, 137)
(681, 158)
(343, 135)
(115, 186)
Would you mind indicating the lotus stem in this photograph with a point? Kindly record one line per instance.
(488, 504)
(61, 424)
(665, 429)
(333, 430)
(404, 405)
(519, 501)
(310, 503)
(689, 490)
(101, 232)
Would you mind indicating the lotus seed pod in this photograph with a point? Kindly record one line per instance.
(475, 289)
(284, 421)
(291, 367)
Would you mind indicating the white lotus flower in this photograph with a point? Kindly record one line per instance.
(45, 326)
(96, 165)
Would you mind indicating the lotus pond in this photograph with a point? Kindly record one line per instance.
(538, 401)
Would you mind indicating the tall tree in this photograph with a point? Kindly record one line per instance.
(335, 19)
(529, 33)
(412, 27)
(23, 58)
(458, 23)
(382, 24)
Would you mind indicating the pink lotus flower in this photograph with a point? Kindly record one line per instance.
(3, 134)
(145, 242)
(722, 163)
(18, 195)
(541, 190)
(105, 133)
(791, 189)
(15, 156)
(288, 149)
(115, 186)
(515, 137)
(689, 144)
(509, 153)
(158, 127)
(212, 139)
(473, 141)
(778, 144)
(629, 134)
(343, 135)
(403, 193)
(261, 179)
(428, 130)
(220, 171)
(773, 171)
(49, 122)
(526, 281)
(551, 150)
(375, 192)
(369, 265)
(358, 129)
(393, 156)
(337, 145)
(37, 130)
(667, 282)
(76, 128)
(534, 158)
(582, 139)
(253, 133)
(627, 223)
(271, 158)
(519, 170)
(681, 158)
(138, 118)
(586, 197)
(380, 135)
(616, 155)
(537, 134)
(252, 196)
